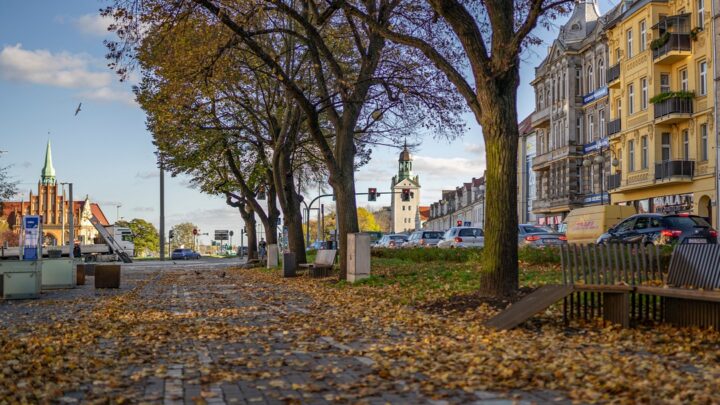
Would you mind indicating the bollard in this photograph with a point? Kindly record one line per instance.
(358, 256)
(80, 274)
(107, 276)
(272, 256)
(289, 264)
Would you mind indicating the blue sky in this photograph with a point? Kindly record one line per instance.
(52, 58)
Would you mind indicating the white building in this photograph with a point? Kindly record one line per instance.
(405, 195)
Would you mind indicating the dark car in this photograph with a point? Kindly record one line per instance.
(538, 236)
(424, 239)
(184, 254)
(658, 229)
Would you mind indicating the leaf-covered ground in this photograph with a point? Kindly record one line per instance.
(245, 336)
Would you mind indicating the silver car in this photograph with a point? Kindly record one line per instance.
(538, 236)
(423, 239)
(391, 241)
(461, 237)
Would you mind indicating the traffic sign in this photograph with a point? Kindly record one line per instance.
(222, 234)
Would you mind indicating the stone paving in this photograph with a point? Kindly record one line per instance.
(263, 363)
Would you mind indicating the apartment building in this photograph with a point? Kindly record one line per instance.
(465, 205)
(571, 109)
(662, 130)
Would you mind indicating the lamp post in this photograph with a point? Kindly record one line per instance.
(117, 212)
(71, 222)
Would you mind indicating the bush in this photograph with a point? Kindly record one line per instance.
(538, 256)
(423, 255)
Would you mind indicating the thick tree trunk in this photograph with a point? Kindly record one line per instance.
(248, 216)
(289, 202)
(500, 130)
(270, 224)
(346, 208)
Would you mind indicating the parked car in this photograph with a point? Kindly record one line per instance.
(658, 229)
(423, 239)
(184, 254)
(539, 236)
(391, 241)
(461, 237)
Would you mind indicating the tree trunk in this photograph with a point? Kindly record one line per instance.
(248, 216)
(289, 202)
(343, 184)
(270, 225)
(500, 130)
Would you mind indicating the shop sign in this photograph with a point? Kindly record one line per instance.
(595, 95)
(596, 145)
(673, 203)
(596, 198)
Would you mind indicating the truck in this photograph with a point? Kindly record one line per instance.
(585, 225)
(114, 243)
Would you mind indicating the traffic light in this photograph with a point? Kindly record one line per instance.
(406, 194)
(172, 233)
(372, 194)
(459, 222)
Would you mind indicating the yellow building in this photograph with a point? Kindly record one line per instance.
(661, 99)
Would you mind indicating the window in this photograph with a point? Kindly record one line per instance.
(644, 152)
(578, 128)
(665, 146)
(617, 55)
(643, 93)
(601, 72)
(703, 142)
(578, 82)
(700, 13)
(631, 99)
(601, 114)
(618, 108)
(591, 128)
(403, 208)
(703, 77)
(664, 83)
(643, 35)
(631, 155)
(684, 80)
(686, 144)
(625, 225)
(629, 43)
(562, 87)
(620, 160)
(590, 79)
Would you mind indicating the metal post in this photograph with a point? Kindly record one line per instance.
(71, 223)
(242, 234)
(321, 223)
(162, 212)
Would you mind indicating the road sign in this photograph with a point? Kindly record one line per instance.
(222, 234)
(195, 231)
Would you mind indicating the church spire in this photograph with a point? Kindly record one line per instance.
(405, 164)
(47, 176)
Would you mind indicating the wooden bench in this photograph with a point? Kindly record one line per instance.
(323, 264)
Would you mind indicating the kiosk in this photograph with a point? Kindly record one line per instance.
(22, 278)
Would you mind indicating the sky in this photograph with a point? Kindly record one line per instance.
(52, 59)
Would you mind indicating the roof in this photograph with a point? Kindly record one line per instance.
(47, 176)
(8, 208)
(405, 154)
(424, 213)
(525, 126)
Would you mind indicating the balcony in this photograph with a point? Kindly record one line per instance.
(613, 74)
(613, 127)
(614, 181)
(673, 109)
(672, 42)
(541, 118)
(675, 170)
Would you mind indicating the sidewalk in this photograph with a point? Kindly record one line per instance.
(188, 336)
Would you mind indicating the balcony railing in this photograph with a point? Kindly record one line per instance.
(674, 168)
(675, 42)
(675, 105)
(613, 127)
(613, 181)
(613, 73)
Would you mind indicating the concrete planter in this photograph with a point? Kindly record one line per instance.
(107, 276)
(19, 279)
(58, 273)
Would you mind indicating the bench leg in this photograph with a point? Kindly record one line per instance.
(616, 308)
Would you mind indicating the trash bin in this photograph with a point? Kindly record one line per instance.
(107, 276)
(289, 264)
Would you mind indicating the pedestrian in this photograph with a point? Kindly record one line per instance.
(76, 251)
(262, 247)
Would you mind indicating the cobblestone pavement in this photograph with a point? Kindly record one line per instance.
(241, 354)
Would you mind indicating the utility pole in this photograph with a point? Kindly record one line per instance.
(162, 211)
(71, 222)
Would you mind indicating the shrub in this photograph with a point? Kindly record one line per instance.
(684, 95)
(538, 256)
(422, 255)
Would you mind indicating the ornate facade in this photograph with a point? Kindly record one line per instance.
(50, 203)
(405, 202)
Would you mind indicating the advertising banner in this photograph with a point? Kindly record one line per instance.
(31, 238)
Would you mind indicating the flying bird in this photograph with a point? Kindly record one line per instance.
(78, 109)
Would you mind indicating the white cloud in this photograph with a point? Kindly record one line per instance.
(475, 149)
(433, 168)
(41, 66)
(147, 175)
(144, 209)
(93, 24)
(107, 94)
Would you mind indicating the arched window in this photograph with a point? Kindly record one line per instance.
(590, 79)
(601, 73)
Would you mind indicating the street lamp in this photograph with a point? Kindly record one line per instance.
(117, 212)
(600, 160)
